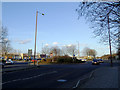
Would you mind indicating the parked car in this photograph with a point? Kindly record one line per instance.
(100, 60)
(95, 62)
(39, 59)
(9, 61)
(34, 60)
(83, 60)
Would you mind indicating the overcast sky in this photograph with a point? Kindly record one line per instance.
(59, 26)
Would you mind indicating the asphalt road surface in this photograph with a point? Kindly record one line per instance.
(48, 76)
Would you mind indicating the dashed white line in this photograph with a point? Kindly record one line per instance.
(30, 77)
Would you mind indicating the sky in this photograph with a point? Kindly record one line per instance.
(59, 26)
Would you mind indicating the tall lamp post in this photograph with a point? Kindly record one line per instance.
(36, 35)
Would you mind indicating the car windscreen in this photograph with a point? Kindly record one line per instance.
(95, 60)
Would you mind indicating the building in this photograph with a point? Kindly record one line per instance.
(24, 55)
(29, 53)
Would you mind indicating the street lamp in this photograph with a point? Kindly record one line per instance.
(36, 34)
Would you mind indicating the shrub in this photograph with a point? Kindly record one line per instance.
(60, 60)
(64, 59)
(48, 60)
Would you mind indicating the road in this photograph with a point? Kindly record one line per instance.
(49, 76)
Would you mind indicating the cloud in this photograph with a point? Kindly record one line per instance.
(23, 41)
(46, 44)
(55, 43)
(63, 45)
(83, 44)
(69, 45)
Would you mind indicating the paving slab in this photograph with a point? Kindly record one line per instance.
(105, 77)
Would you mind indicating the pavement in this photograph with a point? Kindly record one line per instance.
(104, 77)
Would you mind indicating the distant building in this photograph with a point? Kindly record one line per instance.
(106, 57)
(13, 56)
(29, 52)
(24, 55)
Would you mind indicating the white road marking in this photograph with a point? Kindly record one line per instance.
(11, 81)
(91, 74)
(29, 77)
(77, 84)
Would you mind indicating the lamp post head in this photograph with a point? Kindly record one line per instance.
(40, 13)
(101, 16)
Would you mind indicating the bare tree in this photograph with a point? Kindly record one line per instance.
(86, 51)
(46, 50)
(64, 50)
(55, 50)
(6, 48)
(71, 49)
(16, 51)
(89, 52)
(97, 13)
(92, 52)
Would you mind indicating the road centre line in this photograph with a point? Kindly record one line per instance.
(30, 77)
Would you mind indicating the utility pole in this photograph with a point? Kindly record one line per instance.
(109, 35)
(109, 40)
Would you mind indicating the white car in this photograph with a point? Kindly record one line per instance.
(9, 61)
(82, 60)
